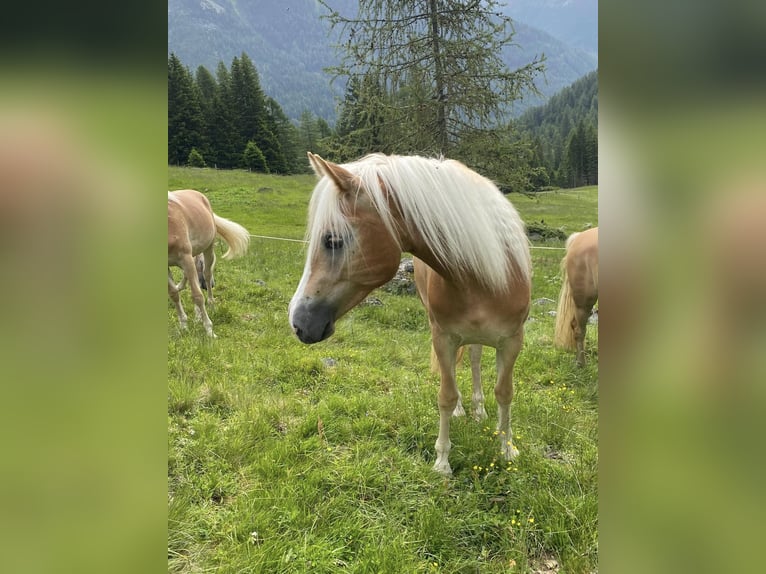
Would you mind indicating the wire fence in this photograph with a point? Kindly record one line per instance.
(303, 241)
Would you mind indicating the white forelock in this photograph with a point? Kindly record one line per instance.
(470, 227)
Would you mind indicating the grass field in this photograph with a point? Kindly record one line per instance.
(291, 458)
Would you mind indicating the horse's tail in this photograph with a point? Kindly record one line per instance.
(435, 360)
(236, 236)
(563, 334)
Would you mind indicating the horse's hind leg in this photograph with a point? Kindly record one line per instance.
(199, 263)
(173, 293)
(579, 324)
(459, 410)
(209, 256)
(505, 360)
(445, 349)
(477, 399)
(190, 270)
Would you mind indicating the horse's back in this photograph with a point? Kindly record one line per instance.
(192, 202)
(191, 226)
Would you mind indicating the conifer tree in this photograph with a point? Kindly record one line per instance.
(207, 89)
(253, 158)
(185, 122)
(287, 135)
(447, 52)
(222, 134)
(195, 158)
(252, 119)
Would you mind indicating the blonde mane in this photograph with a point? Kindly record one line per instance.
(463, 218)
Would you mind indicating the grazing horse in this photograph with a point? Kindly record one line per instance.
(579, 291)
(474, 266)
(192, 228)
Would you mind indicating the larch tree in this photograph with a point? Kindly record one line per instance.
(439, 64)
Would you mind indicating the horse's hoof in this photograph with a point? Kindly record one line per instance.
(443, 468)
(479, 415)
(459, 411)
(509, 451)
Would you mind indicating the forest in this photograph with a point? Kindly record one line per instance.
(433, 85)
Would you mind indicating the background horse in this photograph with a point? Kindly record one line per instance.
(192, 228)
(474, 266)
(579, 291)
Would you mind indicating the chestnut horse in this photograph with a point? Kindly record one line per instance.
(474, 264)
(579, 291)
(192, 228)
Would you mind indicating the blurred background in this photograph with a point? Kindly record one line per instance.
(682, 202)
(83, 155)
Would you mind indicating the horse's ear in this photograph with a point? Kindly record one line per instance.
(344, 179)
(316, 166)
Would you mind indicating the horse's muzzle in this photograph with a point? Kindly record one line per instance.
(312, 321)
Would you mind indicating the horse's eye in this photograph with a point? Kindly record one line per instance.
(333, 242)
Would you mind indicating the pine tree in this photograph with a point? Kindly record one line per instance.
(308, 131)
(185, 122)
(288, 137)
(222, 133)
(195, 158)
(274, 153)
(361, 123)
(253, 158)
(576, 156)
(251, 115)
(591, 155)
(207, 89)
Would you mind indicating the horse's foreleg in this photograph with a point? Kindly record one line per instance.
(173, 293)
(445, 348)
(477, 399)
(506, 358)
(190, 270)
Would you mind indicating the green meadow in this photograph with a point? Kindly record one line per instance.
(284, 457)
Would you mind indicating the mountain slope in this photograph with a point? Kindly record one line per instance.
(286, 40)
(563, 64)
(572, 21)
(573, 109)
(290, 45)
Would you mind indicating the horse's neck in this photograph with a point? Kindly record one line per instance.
(415, 244)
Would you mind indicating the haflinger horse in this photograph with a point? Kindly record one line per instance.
(192, 229)
(579, 292)
(474, 265)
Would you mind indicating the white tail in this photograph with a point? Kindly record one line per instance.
(563, 333)
(235, 236)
